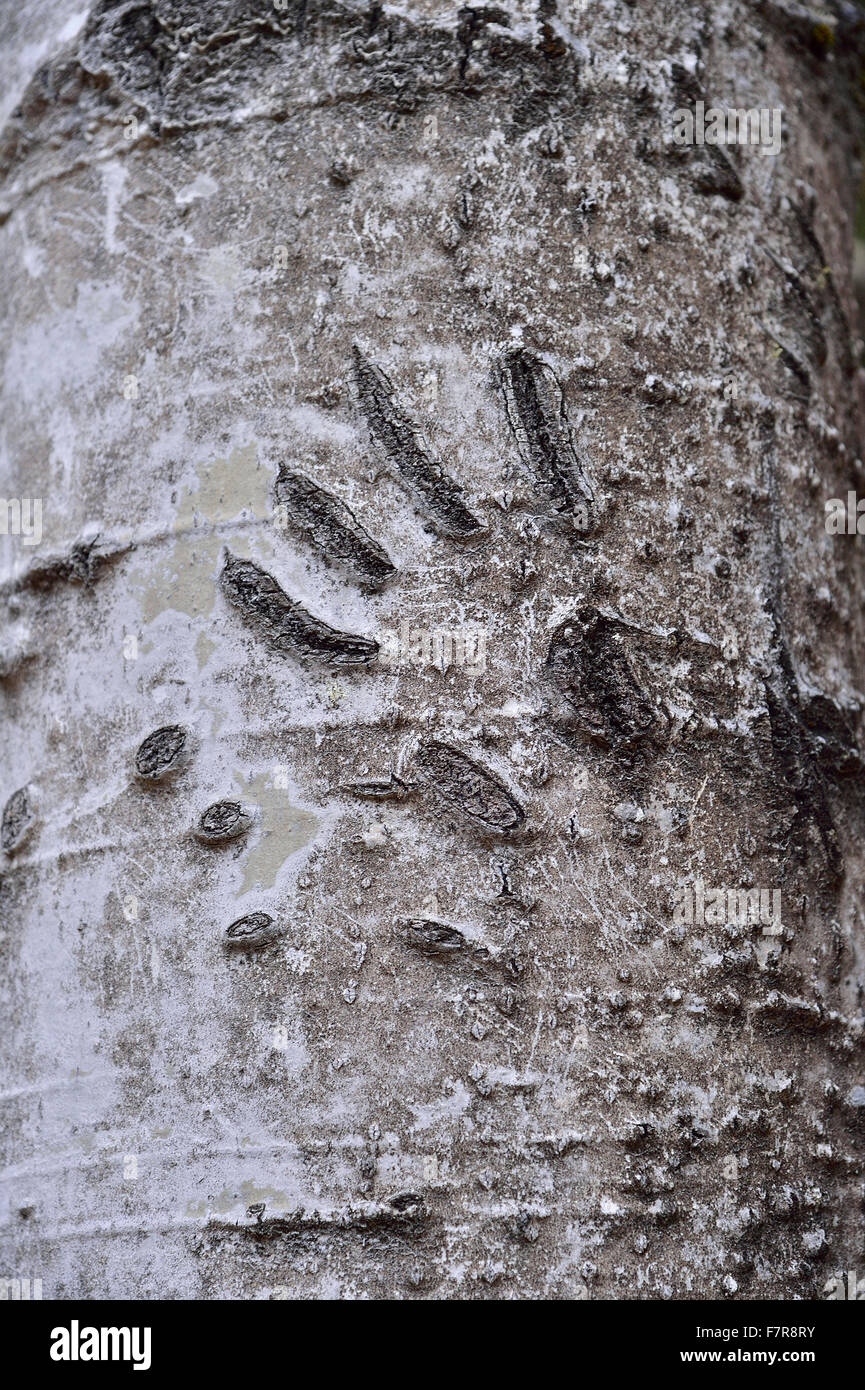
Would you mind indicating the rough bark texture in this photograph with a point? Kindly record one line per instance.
(371, 974)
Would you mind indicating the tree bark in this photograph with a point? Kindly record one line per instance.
(343, 962)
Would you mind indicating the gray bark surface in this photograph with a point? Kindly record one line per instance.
(329, 977)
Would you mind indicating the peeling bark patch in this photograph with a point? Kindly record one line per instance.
(250, 933)
(18, 819)
(589, 665)
(285, 624)
(433, 938)
(224, 820)
(411, 455)
(331, 527)
(464, 783)
(161, 753)
(538, 418)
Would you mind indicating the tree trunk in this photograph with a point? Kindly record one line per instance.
(433, 637)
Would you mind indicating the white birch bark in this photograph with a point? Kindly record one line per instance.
(584, 394)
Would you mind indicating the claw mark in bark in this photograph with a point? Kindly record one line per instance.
(250, 933)
(714, 173)
(780, 1013)
(81, 564)
(472, 20)
(389, 788)
(824, 280)
(539, 421)
(811, 27)
(832, 737)
(285, 624)
(710, 167)
(460, 780)
(224, 820)
(791, 362)
(331, 527)
(16, 647)
(18, 818)
(798, 311)
(590, 666)
(433, 938)
(798, 750)
(411, 454)
(405, 1215)
(161, 753)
